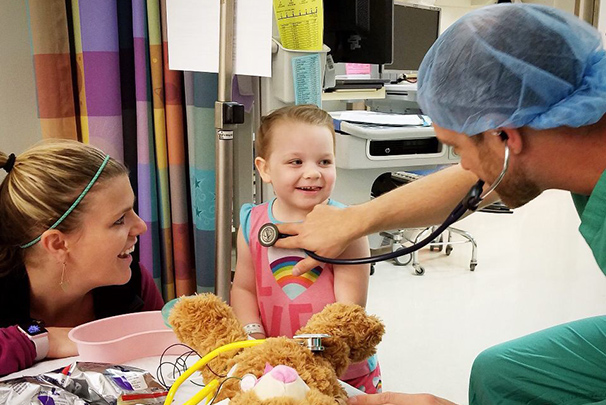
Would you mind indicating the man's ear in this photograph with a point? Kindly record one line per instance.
(514, 140)
(261, 165)
(55, 243)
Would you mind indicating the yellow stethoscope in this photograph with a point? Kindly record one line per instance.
(209, 389)
(312, 341)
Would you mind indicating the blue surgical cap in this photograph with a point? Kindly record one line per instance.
(514, 65)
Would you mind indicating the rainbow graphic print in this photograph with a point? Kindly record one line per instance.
(281, 262)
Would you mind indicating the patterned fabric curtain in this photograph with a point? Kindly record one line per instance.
(102, 77)
(200, 95)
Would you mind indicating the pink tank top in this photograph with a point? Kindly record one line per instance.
(286, 302)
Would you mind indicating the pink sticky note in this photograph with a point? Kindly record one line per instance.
(357, 68)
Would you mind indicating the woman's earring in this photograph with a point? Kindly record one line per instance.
(64, 283)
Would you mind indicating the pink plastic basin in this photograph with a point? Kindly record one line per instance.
(122, 338)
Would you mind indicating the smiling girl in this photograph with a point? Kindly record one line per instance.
(295, 148)
(68, 228)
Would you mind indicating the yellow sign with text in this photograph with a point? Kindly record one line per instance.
(300, 23)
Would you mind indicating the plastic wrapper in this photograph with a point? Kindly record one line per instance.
(32, 390)
(84, 383)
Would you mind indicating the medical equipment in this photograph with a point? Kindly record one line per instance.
(369, 144)
(359, 31)
(399, 238)
(312, 341)
(416, 28)
(269, 234)
(399, 98)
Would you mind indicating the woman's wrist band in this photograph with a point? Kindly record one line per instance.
(252, 328)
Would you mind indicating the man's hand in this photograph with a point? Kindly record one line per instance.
(59, 345)
(396, 398)
(326, 231)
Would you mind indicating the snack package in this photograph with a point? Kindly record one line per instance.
(83, 383)
(32, 390)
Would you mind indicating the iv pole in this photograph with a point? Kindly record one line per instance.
(227, 115)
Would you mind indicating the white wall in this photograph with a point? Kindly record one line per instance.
(452, 10)
(602, 18)
(19, 125)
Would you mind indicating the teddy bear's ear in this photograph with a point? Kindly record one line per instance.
(204, 322)
(354, 334)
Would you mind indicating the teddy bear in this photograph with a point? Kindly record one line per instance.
(280, 370)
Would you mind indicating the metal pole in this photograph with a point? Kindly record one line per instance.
(224, 155)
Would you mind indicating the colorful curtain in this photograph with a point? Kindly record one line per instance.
(200, 96)
(102, 77)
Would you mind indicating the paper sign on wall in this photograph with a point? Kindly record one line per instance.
(300, 23)
(193, 36)
(307, 77)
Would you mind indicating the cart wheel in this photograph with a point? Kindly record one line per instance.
(419, 271)
(448, 250)
(402, 260)
(472, 266)
(437, 248)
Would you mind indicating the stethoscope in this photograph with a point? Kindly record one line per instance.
(269, 234)
(312, 341)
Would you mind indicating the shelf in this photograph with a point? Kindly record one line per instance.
(356, 94)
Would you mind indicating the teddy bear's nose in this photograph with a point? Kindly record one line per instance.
(284, 374)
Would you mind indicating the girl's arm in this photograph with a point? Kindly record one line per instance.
(243, 291)
(351, 281)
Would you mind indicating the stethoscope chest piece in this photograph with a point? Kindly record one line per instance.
(268, 235)
(313, 341)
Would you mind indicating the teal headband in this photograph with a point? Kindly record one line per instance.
(74, 205)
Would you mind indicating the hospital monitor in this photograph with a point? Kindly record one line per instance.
(359, 31)
(416, 27)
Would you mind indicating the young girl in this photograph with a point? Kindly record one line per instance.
(295, 153)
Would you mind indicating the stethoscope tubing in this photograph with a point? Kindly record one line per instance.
(454, 216)
(470, 203)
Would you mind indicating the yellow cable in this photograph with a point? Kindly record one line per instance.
(202, 362)
(206, 392)
(211, 394)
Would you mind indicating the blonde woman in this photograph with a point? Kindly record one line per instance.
(68, 228)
